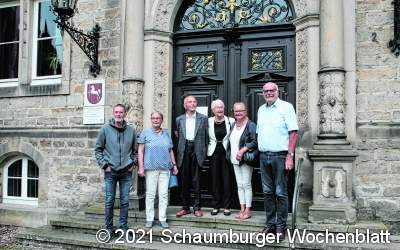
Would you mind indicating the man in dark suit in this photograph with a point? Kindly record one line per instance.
(192, 133)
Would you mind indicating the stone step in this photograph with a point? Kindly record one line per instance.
(221, 221)
(78, 233)
(48, 238)
(208, 237)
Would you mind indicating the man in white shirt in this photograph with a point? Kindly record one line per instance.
(192, 133)
(277, 136)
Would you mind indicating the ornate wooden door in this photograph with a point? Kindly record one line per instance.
(218, 54)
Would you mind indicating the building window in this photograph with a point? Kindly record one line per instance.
(21, 182)
(38, 60)
(9, 42)
(47, 51)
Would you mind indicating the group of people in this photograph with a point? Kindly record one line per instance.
(228, 142)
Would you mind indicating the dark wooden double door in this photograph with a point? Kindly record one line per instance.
(231, 65)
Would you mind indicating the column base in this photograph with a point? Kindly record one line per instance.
(333, 214)
(332, 141)
(333, 161)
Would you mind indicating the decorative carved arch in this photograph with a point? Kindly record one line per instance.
(163, 13)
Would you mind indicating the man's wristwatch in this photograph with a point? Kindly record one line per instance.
(291, 154)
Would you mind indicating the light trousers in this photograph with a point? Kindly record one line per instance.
(243, 175)
(157, 179)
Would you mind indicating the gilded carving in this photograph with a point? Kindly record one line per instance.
(267, 59)
(233, 13)
(199, 63)
(162, 14)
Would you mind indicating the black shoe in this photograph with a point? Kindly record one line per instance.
(227, 212)
(215, 211)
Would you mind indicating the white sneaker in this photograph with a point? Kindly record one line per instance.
(149, 224)
(164, 224)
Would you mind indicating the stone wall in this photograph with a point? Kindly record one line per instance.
(69, 178)
(377, 174)
(52, 122)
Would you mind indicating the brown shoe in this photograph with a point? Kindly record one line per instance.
(280, 234)
(182, 212)
(198, 213)
(267, 230)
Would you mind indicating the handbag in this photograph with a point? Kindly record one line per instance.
(173, 181)
(251, 158)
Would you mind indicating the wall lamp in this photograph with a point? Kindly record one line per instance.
(89, 43)
(394, 44)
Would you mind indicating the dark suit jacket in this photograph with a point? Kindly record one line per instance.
(200, 137)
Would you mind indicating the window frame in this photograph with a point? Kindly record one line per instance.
(40, 80)
(23, 199)
(13, 82)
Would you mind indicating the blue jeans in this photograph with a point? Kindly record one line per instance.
(274, 184)
(125, 180)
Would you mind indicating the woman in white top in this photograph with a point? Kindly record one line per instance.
(219, 128)
(242, 139)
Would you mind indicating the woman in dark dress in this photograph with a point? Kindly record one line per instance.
(219, 127)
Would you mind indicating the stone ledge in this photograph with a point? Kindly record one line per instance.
(378, 130)
(90, 132)
(24, 217)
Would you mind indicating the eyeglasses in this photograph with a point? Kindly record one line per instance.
(269, 90)
(239, 111)
(156, 118)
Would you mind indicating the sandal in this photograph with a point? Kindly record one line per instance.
(245, 216)
(239, 215)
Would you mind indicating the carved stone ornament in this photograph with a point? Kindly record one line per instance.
(333, 183)
(132, 93)
(161, 76)
(332, 103)
(302, 68)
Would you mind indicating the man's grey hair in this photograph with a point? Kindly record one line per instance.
(157, 112)
(120, 105)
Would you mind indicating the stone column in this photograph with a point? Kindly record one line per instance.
(132, 45)
(331, 74)
(332, 155)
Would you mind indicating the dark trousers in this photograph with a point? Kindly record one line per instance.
(274, 184)
(220, 178)
(190, 178)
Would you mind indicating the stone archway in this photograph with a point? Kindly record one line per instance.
(158, 57)
(158, 72)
